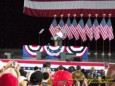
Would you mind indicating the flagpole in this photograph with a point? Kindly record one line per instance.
(96, 50)
(96, 44)
(81, 38)
(109, 54)
(103, 53)
(89, 39)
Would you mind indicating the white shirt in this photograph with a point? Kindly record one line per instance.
(60, 34)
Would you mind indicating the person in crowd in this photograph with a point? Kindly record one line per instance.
(8, 79)
(45, 65)
(84, 72)
(94, 77)
(61, 67)
(47, 80)
(79, 78)
(71, 69)
(36, 68)
(23, 80)
(62, 78)
(111, 76)
(22, 72)
(36, 78)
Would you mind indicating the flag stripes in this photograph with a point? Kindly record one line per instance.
(82, 30)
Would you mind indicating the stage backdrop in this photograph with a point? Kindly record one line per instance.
(30, 51)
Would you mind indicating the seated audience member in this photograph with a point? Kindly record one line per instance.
(8, 79)
(36, 78)
(62, 78)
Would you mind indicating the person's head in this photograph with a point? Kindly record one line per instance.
(57, 29)
(46, 64)
(62, 78)
(60, 67)
(92, 69)
(8, 79)
(36, 78)
(45, 75)
(78, 68)
(36, 68)
(71, 69)
(22, 72)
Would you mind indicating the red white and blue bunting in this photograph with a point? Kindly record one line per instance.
(79, 51)
(54, 50)
(31, 50)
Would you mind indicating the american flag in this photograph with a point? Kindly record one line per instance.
(49, 8)
(110, 30)
(96, 29)
(68, 28)
(53, 27)
(81, 30)
(74, 29)
(61, 25)
(88, 29)
(103, 29)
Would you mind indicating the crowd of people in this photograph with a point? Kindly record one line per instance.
(12, 74)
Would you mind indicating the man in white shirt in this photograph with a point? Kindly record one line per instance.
(58, 37)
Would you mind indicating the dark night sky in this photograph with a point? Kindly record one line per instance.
(17, 29)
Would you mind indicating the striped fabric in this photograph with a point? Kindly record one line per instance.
(110, 30)
(61, 25)
(96, 29)
(49, 8)
(74, 29)
(88, 29)
(68, 29)
(103, 29)
(81, 30)
(52, 28)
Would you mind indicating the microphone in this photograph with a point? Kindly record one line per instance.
(41, 31)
